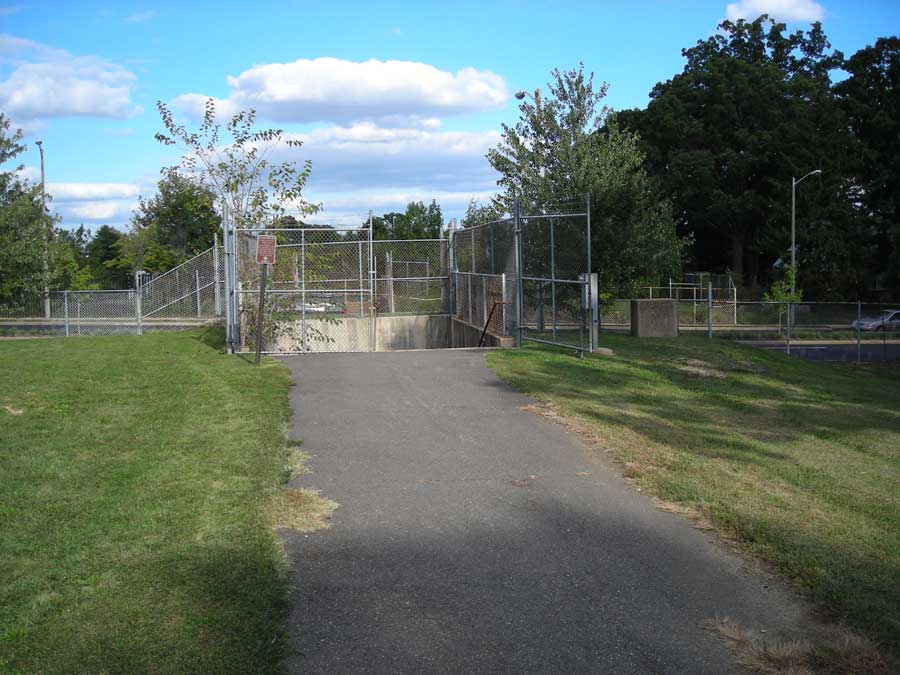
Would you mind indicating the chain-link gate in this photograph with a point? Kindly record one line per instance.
(485, 276)
(318, 296)
(558, 294)
(529, 276)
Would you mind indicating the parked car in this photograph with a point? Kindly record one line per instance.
(320, 307)
(888, 320)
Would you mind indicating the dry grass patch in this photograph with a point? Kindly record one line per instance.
(701, 369)
(827, 650)
(301, 509)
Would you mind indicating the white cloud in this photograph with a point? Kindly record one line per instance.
(782, 10)
(30, 173)
(47, 82)
(112, 212)
(92, 203)
(335, 90)
(345, 158)
(352, 209)
(92, 191)
(138, 17)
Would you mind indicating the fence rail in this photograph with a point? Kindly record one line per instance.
(186, 295)
(845, 331)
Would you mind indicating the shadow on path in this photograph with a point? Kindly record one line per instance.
(476, 537)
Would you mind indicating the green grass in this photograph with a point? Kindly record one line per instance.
(799, 460)
(136, 477)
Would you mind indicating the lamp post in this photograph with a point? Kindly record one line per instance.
(45, 233)
(536, 97)
(794, 183)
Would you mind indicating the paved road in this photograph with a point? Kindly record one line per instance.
(840, 351)
(469, 538)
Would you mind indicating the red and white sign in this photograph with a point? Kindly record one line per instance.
(265, 249)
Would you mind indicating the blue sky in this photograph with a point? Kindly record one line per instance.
(395, 101)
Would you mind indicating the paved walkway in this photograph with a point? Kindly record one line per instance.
(474, 536)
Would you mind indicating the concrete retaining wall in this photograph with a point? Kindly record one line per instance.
(464, 334)
(392, 333)
(431, 331)
(654, 318)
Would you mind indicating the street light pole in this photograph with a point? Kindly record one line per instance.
(794, 184)
(46, 235)
(520, 95)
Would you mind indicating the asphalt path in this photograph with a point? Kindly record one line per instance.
(477, 537)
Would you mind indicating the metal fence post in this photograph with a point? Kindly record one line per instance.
(593, 280)
(709, 308)
(789, 315)
(484, 312)
(504, 326)
(361, 303)
(197, 286)
(66, 310)
(137, 311)
(520, 305)
(216, 279)
(302, 290)
(734, 298)
(553, 280)
(469, 293)
(858, 322)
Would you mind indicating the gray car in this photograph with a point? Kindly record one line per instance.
(889, 320)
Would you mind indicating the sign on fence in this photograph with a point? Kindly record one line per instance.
(265, 249)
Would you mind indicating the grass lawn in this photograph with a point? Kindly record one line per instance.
(137, 477)
(799, 460)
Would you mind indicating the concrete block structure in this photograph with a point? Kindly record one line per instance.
(654, 318)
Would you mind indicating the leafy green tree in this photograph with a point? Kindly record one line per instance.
(101, 253)
(182, 215)
(752, 108)
(480, 214)
(784, 292)
(22, 227)
(234, 162)
(417, 222)
(871, 98)
(141, 249)
(566, 146)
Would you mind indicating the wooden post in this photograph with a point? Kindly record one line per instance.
(262, 307)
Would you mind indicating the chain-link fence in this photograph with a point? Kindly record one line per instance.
(484, 276)
(834, 331)
(187, 295)
(555, 281)
(528, 276)
(75, 313)
(190, 290)
(318, 293)
(411, 276)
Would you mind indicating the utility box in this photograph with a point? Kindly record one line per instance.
(654, 318)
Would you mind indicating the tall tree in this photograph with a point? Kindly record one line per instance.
(417, 222)
(566, 146)
(235, 162)
(182, 213)
(22, 226)
(752, 108)
(871, 98)
(101, 254)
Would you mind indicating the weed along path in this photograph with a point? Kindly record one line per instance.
(475, 536)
